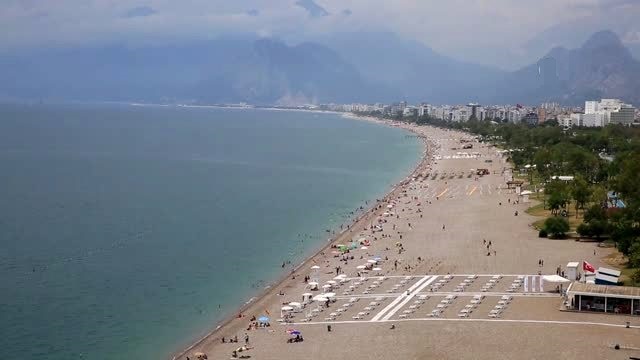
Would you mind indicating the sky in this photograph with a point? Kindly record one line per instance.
(502, 33)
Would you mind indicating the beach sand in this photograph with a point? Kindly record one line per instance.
(442, 215)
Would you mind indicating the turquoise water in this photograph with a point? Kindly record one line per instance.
(126, 232)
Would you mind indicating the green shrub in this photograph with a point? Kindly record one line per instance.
(557, 227)
(542, 233)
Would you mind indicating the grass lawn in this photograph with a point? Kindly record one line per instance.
(540, 211)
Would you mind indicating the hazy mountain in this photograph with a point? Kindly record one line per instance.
(273, 72)
(231, 69)
(354, 67)
(601, 67)
(413, 70)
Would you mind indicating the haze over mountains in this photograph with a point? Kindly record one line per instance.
(345, 67)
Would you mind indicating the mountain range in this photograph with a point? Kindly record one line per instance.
(346, 67)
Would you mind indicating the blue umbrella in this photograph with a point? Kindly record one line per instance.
(295, 332)
(263, 319)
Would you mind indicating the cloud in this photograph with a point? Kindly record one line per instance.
(474, 30)
(314, 9)
(139, 11)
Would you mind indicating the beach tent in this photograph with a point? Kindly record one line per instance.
(306, 297)
(555, 279)
(263, 319)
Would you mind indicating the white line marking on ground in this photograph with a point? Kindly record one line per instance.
(399, 298)
(555, 322)
(409, 297)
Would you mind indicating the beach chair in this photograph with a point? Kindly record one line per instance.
(368, 308)
(402, 316)
(356, 317)
(463, 315)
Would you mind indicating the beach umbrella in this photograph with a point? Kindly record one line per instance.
(295, 304)
(364, 248)
(377, 258)
(286, 308)
(329, 295)
(315, 267)
(263, 319)
(371, 261)
(360, 267)
(327, 286)
(389, 206)
(294, 332)
(377, 269)
(332, 282)
(340, 277)
(320, 298)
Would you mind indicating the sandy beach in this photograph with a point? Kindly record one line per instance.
(441, 229)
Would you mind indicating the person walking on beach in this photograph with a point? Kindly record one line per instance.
(246, 339)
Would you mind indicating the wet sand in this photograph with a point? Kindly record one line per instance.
(443, 215)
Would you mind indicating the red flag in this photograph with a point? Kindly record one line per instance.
(588, 267)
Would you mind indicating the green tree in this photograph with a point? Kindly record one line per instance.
(634, 255)
(580, 192)
(556, 226)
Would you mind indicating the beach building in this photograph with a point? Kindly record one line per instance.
(604, 298)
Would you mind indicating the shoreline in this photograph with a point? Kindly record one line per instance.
(361, 219)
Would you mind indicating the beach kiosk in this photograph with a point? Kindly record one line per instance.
(572, 270)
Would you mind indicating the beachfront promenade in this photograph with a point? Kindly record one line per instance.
(441, 269)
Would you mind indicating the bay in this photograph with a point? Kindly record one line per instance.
(128, 231)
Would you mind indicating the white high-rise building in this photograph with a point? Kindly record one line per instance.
(607, 111)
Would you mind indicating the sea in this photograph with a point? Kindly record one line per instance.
(127, 232)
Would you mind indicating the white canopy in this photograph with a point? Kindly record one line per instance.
(307, 294)
(320, 298)
(315, 267)
(360, 267)
(371, 261)
(377, 269)
(327, 286)
(329, 295)
(364, 248)
(286, 308)
(295, 304)
(557, 279)
(526, 192)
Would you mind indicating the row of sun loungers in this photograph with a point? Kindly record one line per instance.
(499, 308)
(468, 309)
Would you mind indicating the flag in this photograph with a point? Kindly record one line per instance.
(588, 267)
